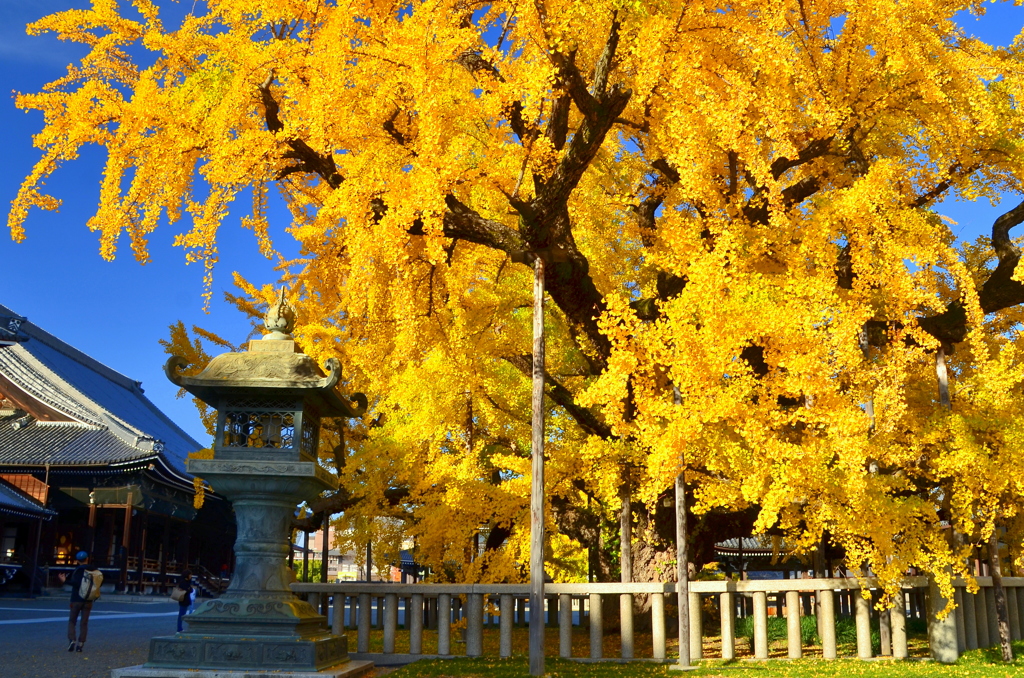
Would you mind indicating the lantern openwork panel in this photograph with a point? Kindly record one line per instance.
(309, 435)
(267, 428)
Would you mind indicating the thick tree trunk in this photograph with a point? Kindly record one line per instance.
(1002, 615)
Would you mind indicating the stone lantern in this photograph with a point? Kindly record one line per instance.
(270, 402)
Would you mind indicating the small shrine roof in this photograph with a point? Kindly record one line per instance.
(748, 546)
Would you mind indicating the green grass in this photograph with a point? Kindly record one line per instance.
(976, 664)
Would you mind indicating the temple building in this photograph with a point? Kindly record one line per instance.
(87, 462)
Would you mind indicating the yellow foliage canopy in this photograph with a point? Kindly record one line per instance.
(738, 193)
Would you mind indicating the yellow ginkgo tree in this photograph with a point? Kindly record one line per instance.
(735, 198)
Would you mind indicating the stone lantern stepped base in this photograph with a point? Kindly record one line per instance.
(350, 669)
(234, 652)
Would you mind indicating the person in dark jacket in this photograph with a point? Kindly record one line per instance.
(79, 607)
(185, 605)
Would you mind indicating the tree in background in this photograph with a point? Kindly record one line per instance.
(737, 201)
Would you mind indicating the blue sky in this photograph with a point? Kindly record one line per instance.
(115, 311)
(118, 311)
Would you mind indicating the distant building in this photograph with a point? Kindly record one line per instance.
(342, 566)
(103, 468)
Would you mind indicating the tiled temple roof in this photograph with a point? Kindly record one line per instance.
(62, 443)
(109, 419)
(15, 502)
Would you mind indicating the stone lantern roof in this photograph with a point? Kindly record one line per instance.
(274, 366)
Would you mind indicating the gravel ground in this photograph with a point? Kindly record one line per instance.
(33, 637)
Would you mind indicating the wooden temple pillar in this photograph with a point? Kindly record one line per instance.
(165, 546)
(181, 551)
(140, 551)
(34, 533)
(110, 550)
(48, 547)
(126, 535)
(91, 537)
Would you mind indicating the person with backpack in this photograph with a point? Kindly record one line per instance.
(85, 588)
(185, 594)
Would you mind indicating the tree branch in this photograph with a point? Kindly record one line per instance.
(930, 196)
(575, 84)
(473, 61)
(309, 160)
(465, 223)
(604, 63)
(396, 134)
(815, 149)
(558, 125)
(756, 209)
(341, 501)
(586, 142)
(558, 393)
(999, 291)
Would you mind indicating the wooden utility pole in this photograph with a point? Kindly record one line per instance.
(369, 558)
(942, 634)
(305, 555)
(1002, 612)
(537, 489)
(325, 548)
(683, 573)
(626, 527)
(682, 560)
(943, 378)
(626, 565)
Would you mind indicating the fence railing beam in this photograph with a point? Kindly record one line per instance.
(444, 623)
(564, 625)
(658, 625)
(898, 620)
(351, 604)
(596, 627)
(415, 617)
(794, 646)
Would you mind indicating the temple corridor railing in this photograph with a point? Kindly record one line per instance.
(460, 613)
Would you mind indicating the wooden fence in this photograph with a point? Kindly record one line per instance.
(364, 606)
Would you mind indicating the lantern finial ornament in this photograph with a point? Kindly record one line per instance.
(280, 318)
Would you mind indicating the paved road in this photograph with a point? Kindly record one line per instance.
(33, 637)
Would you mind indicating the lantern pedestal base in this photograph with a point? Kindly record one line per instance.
(229, 652)
(350, 669)
(282, 615)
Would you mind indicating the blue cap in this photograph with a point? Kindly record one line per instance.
(82, 555)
